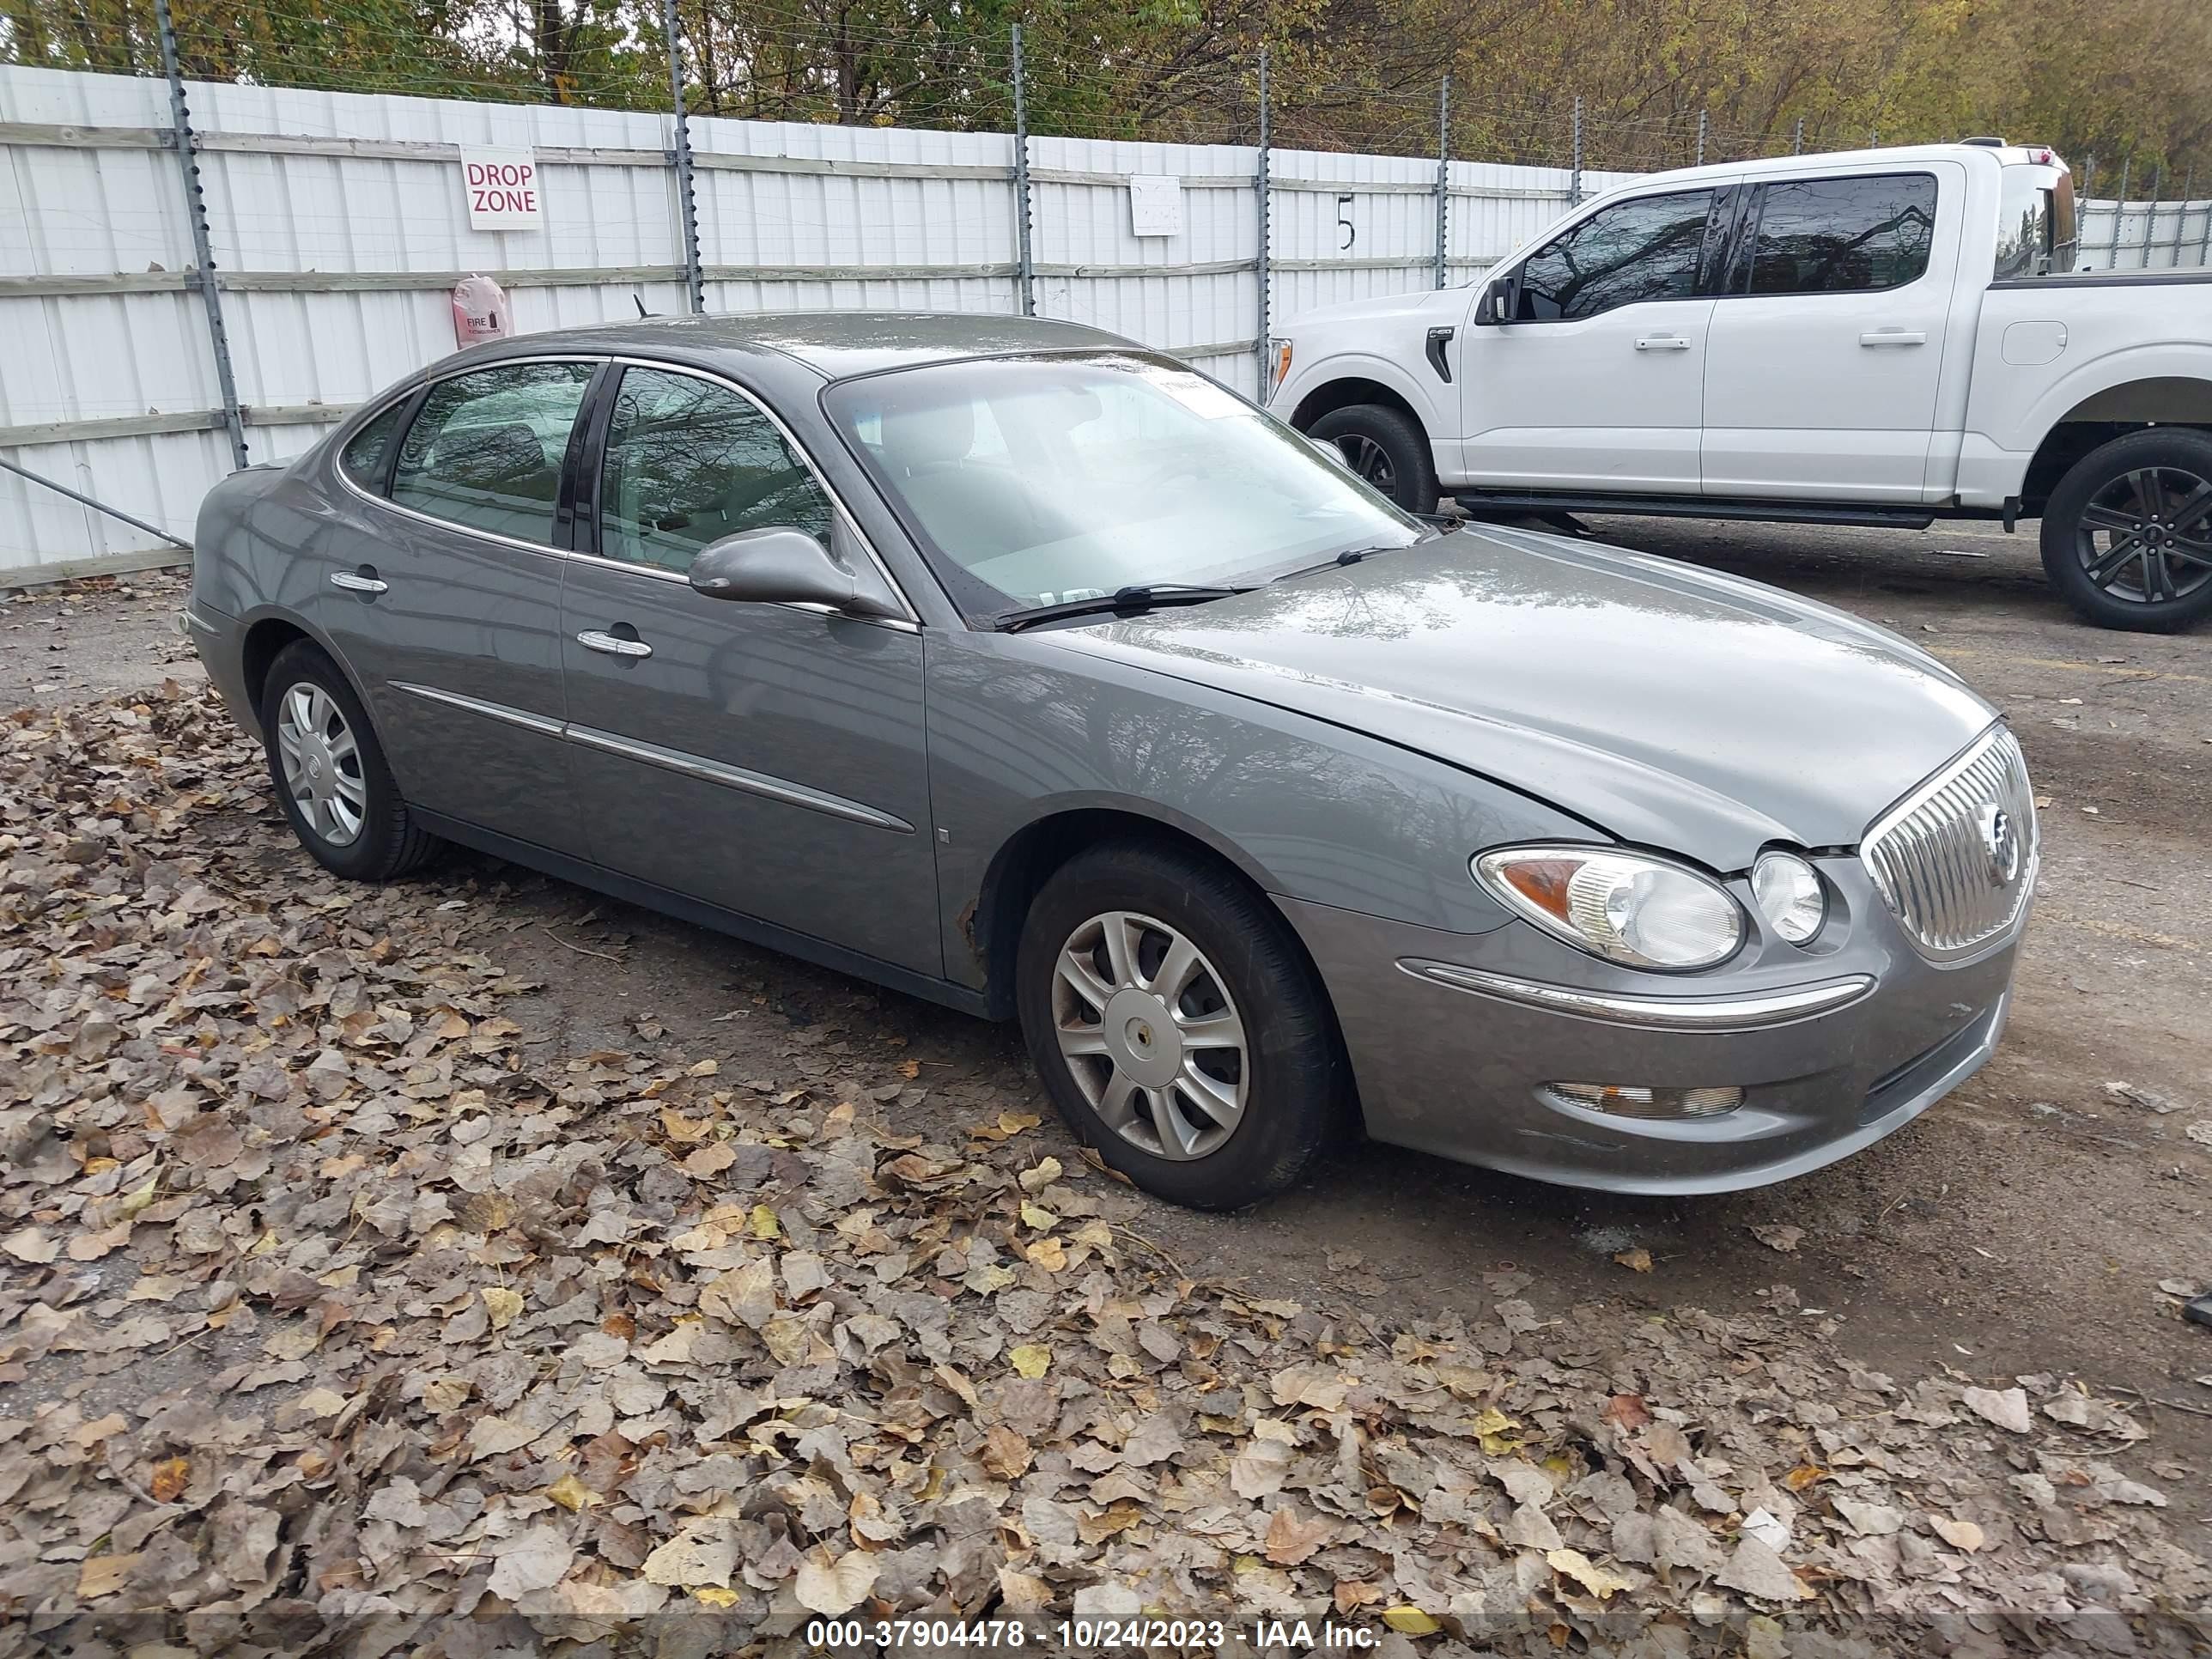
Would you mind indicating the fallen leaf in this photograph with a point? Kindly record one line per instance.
(2006, 1408)
(535, 1559)
(832, 1587)
(1958, 1534)
(104, 1575)
(1411, 1621)
(1031, 1360)
(31, 1245)
(571, 1494)
(1290, 1540)
(1598, 1581)
(502, 1304)
(1778, 1236)
(170, 1478)
(1637, 1261)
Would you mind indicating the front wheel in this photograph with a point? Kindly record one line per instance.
(1177, 1025)
(1387, 448)
(2127, 536)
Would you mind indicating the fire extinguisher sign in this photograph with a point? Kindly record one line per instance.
(503, 188)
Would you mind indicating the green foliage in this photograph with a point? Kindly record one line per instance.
(2110, 78)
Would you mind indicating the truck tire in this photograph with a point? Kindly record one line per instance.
(2127, 536)
(1387, 448)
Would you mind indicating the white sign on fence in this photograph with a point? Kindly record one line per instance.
(1155, 204)
(502, 188)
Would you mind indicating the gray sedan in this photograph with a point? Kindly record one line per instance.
(1010, 665)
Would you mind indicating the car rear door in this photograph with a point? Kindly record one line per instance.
(1596, 381)
(767, 759)
(438, 581)
(1826, 348)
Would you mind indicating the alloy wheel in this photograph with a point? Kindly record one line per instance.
(1150, 1035)
(1368, 460)
(2146, 537)
(322, 763)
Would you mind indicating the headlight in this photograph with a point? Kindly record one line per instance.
(1626, 907)
(1790, 896)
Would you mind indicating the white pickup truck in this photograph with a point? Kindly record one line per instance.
(1878, 337)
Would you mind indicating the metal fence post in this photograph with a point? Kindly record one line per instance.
(196, 211)
(1443, 173)
(695, 289)
(1701, 138)
(1259, 265)
(1797, 143)
(2119, 212)
(1575, 184)
(2150, 215)
(1026, 267)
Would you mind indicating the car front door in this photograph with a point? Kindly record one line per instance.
(768, 759)
(440, 584)
(1595, 382)
(1827, 347)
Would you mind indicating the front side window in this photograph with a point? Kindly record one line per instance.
(1036, 480)
(1843, 235)
(1644, 249)
(366, 451)
(486, 450)
(689, 462)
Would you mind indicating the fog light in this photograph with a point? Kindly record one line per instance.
(1633, 1100)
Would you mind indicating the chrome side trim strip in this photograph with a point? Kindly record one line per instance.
(734, 777)
(1733, 1013)
(543, 724)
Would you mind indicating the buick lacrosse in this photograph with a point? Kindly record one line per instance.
(1009, 665)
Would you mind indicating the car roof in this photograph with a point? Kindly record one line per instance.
(834, 343)
(1769, 167)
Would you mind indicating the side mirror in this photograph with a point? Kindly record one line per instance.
(1496, 305)
(783, 566)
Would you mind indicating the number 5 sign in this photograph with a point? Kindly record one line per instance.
(502, 189)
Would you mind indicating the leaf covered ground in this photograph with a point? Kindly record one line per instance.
(342, 1312)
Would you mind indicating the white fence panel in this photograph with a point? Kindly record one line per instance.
(2144, 235)
(339, 225)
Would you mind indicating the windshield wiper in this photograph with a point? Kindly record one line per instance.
(1349, 555)
(1139, 597)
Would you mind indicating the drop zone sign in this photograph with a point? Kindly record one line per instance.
(503, 190)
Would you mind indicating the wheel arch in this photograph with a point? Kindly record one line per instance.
(1350, 391)
(2106, 401)
(1027, 858)
(264, 636)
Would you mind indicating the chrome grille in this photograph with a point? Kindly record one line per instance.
(1956, 859)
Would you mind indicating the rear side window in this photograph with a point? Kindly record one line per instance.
(1841, 235)
(366, 453)
(689, 462)
(1644, 249)
(486, 451)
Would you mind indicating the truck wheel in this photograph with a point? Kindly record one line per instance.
(1385, 446)
(2127, 536)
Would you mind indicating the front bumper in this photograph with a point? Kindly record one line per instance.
(1455, 1064)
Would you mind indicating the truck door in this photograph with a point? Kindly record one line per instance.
(1826, 343)
(1594, 381)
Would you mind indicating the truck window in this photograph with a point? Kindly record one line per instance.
(2031, 240)
(1841, 235)
(1644, 249)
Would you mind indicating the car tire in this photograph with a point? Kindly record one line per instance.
(1387, 448)
(330, 773)
(2122, 527)
(1287, 1080)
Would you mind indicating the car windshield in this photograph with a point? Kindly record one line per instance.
(1040, 480)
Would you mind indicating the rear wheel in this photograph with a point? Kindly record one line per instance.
(2127, 536)
(1177, 1026)
(330, 773)
(1387, 448)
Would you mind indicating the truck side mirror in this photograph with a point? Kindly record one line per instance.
(1497, 304)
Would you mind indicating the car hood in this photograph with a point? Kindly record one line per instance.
(1665, 705)
(1440, 304)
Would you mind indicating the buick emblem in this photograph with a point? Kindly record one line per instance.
(2001, 837)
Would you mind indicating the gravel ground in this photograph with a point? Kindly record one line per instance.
(2023, 1228)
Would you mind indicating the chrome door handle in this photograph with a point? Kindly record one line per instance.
(1661, 342)
(354, 583)
(613, 646)
(1882, 337)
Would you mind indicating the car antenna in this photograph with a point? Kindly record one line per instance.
(640, 304)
